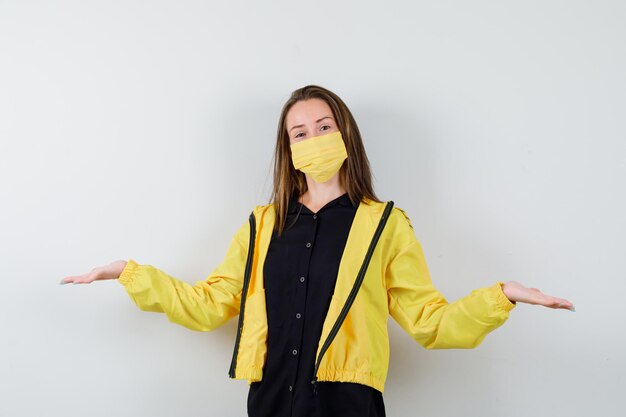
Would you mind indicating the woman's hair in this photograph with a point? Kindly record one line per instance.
(354, 175)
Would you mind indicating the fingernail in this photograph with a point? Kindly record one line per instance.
(62, 282)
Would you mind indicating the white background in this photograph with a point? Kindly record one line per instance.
(145, 130)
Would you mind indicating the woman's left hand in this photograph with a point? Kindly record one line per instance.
(515, 291)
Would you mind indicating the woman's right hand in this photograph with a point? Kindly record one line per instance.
(110, 271)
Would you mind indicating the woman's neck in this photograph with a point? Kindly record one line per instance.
(318, 194)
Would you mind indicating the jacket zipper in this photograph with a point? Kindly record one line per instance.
(352, 295)
(244, 291)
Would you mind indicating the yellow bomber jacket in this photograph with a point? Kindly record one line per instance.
(396, 282)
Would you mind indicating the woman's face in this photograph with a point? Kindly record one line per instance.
(309, 118)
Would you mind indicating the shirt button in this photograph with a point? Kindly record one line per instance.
(308, 244)
(314, 216)
(295, 352)
(298, 315)
(290, 388)
(301, 279)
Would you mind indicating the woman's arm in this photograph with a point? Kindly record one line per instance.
(203, 306)
(424, 313)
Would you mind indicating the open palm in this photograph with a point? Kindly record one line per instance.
(517, 292)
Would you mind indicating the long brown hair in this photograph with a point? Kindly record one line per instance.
(354, 175)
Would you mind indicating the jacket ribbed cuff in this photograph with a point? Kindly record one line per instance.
(128, 273)
(501, 298)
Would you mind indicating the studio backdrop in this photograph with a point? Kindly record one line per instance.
(146, 130)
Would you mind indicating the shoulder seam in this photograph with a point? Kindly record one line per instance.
(406, 216)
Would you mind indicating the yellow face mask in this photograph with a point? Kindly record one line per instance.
(319, 156)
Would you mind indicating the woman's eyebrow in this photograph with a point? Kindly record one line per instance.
(317, 121)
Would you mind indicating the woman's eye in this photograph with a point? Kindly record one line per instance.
(298, 135)
(325, 126)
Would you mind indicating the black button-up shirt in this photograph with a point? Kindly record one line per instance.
(300, 272)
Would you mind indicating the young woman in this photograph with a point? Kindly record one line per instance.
(314, 275)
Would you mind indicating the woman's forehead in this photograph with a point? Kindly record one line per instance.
(306, 111)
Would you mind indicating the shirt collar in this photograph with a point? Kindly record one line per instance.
(343, 200)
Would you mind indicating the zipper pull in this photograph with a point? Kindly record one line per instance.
(314, 382)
